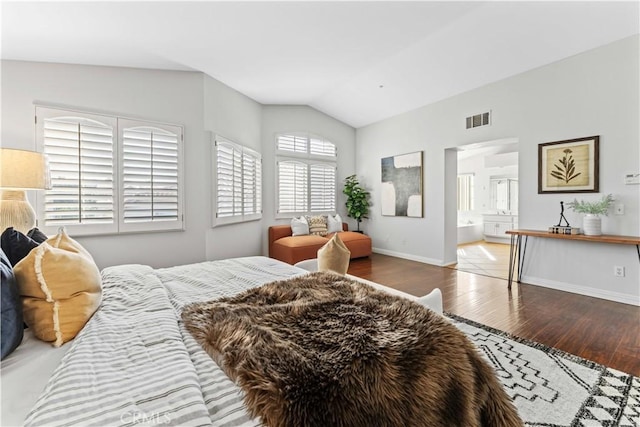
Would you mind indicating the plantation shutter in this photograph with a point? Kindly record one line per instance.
(150, 176)
(252, 179)
(292, 143)
(320, 147)
(80, 153)
(322, 185)
(307, 173)
(238, 172)
(292, 187)
(229, 176)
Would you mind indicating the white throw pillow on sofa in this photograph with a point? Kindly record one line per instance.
(334, 224)
(299, 226)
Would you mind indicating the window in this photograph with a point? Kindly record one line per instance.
(465, 192)
(238, 186)
(109, 174)
(306, 175)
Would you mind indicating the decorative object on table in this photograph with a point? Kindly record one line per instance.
(563, 229)
(20, 170)
(357, 200)
(569, 166)
(402, 185)
(592, 223)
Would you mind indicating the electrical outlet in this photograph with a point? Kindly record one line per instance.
(619, 209)
(618, 271)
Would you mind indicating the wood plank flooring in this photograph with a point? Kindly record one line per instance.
(603, 331)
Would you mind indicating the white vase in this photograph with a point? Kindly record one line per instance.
(592, 225)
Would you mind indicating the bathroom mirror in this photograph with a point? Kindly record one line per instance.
(504, 194)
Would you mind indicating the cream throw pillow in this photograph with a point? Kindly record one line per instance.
(334, 256)
(299, 226)
(61, 288)
(334, 224)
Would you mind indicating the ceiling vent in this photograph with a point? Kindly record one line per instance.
(482, 119)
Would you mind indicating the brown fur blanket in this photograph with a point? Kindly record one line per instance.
(323, 350)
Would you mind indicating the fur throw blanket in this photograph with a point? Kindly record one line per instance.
(324, 350)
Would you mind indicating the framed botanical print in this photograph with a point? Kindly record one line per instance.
(569, 166)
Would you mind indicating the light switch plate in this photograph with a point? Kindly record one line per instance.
(632, 178)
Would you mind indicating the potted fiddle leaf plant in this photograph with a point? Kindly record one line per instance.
(592, 223)
(357, 200)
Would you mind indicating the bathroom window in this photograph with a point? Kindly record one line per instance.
(465, 192)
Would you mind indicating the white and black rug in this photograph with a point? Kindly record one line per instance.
(553, 388)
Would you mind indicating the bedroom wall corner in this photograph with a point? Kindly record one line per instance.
(238, 118)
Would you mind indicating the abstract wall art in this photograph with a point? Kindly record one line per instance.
(402, 185)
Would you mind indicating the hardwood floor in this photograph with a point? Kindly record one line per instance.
(603, 331)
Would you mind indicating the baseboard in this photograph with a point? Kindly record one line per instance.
(411, 257)
(583, 290)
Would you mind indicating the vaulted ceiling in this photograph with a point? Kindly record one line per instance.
(359, 62)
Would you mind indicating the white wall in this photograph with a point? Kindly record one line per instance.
(173, 97)
(289, 118)
(594, 93)
(238, 118)
(195, 100)
(205, 107)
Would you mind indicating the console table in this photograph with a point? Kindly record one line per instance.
(517, 252)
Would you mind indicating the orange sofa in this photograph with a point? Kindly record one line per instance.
(292, 249)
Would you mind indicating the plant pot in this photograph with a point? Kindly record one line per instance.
(592, 225)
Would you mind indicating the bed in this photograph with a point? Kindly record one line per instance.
(134, 362)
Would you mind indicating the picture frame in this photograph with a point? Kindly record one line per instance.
(401, 186)
(569, 166)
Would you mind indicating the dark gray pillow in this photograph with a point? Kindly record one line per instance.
(16, 245)
(12, 326)
(36, 235)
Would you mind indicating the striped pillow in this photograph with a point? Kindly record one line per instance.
(317, 225)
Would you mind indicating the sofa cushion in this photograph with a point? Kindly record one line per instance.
(334, 256)
(359, 244)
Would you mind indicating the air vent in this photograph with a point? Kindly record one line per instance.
(478, 120)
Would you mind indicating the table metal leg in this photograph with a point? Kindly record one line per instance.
(515, 241)
(521, 254)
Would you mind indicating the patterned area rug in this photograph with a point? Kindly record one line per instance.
(553, 388)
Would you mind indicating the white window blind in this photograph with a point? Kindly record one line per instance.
(150, 175)
(322, 185)
(465, 192)
(238, 187)
(293, 185)
(306, 175)
(108, 174)
(80, 151)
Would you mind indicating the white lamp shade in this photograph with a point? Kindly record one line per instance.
(20, 170)
(23, 170)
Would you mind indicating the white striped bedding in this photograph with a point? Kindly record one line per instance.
(135, 364)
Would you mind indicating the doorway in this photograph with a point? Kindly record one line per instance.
(486, 204)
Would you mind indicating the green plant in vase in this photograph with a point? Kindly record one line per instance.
(592, 224)
(357, 200)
